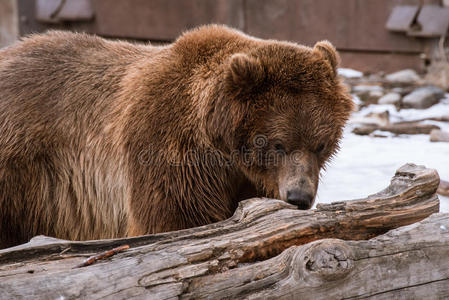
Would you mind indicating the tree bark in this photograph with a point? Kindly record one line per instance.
(244, 257)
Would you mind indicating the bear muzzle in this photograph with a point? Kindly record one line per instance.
(298, 180)
(302, 199)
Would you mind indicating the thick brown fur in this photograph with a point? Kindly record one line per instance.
(103, 139)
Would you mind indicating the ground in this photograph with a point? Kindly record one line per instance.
(366, 164)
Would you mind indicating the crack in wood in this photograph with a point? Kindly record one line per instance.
(395, 289)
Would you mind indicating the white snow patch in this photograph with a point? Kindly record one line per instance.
(349, 73)
(378, 108)
(356, 99)
(365, 165)
(384, 133)
(435, 111)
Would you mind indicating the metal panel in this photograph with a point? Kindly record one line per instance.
(54, 11)
(402, 17)
(432, 21)
(349, 24)
(164, 19)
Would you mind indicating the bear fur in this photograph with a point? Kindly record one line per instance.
(107, 139)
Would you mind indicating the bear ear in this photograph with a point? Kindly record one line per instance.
(244, 73)
(329, 53)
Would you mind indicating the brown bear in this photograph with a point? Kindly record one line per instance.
(106, 139)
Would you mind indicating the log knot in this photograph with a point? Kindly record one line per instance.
(329, 259)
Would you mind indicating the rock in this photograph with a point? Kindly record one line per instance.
(390, 98)
(443, 188)
(362, 88)
(403, 90)
(373, 118)
(396, 128)
(437, 135)
(398, 90)
(366, 80)
(407, 77)
(365, 129)
(376, 77)
(349, 73)
(379, 118)
(373, 97)
(422, 98)
(369, 94)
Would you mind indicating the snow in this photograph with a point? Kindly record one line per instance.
(365, 165)
(356, 100)
(349, 73)
(438, 110)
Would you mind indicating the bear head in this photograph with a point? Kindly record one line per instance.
(279, 116)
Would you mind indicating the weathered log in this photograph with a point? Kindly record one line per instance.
(396, 128)
(407, 263)
(237, 257)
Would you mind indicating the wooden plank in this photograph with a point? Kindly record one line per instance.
(373, 62)
(237, 258)
(348, 24)
(356, 27)
(164, 19)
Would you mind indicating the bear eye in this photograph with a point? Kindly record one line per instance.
(279, 148)
(320, 148)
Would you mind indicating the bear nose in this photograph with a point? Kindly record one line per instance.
(302, 200)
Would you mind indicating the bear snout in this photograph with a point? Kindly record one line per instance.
(298, 179)
(302, 199)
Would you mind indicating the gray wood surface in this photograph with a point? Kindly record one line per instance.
(267, 249)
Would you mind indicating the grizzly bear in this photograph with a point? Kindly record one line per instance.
(107, 139)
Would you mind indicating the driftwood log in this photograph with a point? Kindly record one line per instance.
(267, 249)
(396, 128)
